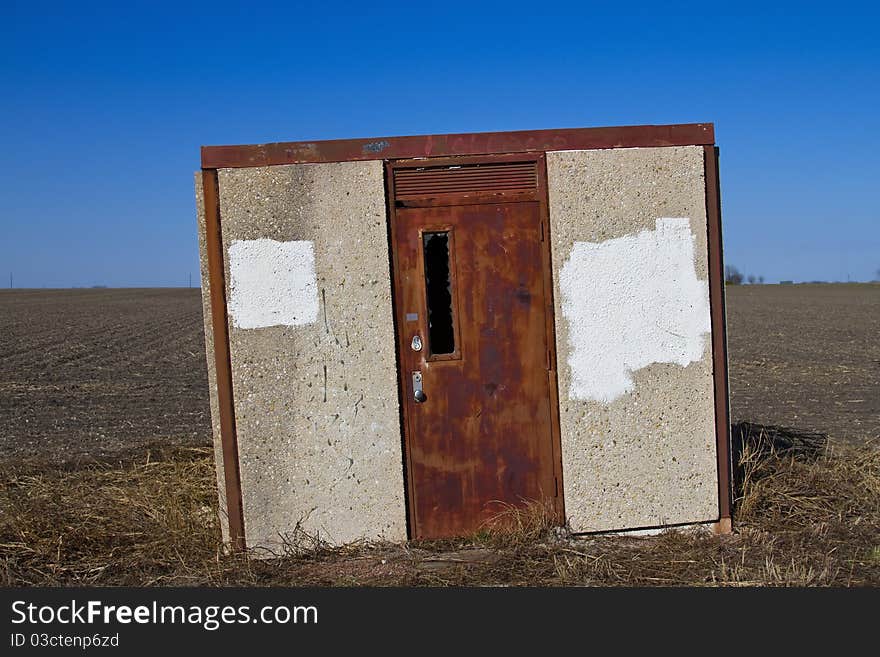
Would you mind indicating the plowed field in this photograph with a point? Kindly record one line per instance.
(105, 374)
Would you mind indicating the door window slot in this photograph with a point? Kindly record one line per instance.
(439, 293)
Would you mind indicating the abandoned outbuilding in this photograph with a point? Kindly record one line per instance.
(409, 335)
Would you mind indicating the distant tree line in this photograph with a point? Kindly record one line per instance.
(733, 276)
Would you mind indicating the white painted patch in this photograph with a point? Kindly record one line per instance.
(273, 283)
(630, 302)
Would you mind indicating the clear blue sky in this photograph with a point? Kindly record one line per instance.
(104, 107)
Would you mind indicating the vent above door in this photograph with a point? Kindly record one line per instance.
(428, 181)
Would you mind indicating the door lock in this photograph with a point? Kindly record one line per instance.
(418, 393)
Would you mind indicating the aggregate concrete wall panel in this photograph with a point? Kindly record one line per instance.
(209, 348)
(313, 352)
(630, 270)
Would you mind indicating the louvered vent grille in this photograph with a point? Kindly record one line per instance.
(434, 181)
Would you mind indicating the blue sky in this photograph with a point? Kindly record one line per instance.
(104, 107)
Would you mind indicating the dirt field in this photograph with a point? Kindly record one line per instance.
(104, 374)
(106, 477)
(806, 356)
(101, 373)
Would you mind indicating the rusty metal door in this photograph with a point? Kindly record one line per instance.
(475, 343)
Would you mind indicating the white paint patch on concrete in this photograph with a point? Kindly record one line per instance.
(272, 283)
(630, 302)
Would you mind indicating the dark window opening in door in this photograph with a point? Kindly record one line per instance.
(438, 288)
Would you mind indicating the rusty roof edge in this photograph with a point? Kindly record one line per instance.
(480, 143)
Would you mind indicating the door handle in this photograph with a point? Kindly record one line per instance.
(418, 394)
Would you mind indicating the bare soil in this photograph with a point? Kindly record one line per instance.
(101, 374)
(806, 356)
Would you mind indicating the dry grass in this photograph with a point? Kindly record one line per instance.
(807, 515)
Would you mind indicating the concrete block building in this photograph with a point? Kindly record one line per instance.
(407, 335)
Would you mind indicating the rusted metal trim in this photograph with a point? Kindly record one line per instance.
(469, 198)
(433, 180)
(222, 364)
(550, 328)
(722, 527)
(489, 158)
(424, 146)
(719, 335)
(403, 383)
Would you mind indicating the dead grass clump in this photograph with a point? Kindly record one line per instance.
(514, 526)
(148, 523)
(816, 512)
(151, 523)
